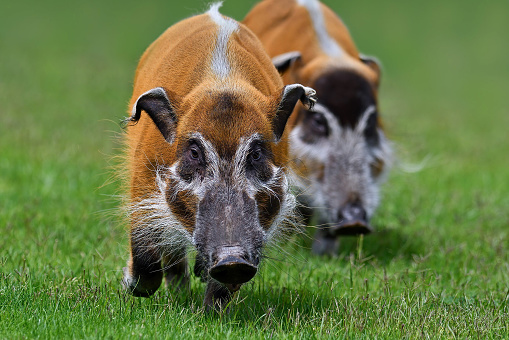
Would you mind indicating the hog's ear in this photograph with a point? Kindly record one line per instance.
(374, 64)
(284, 61)
(156, 104)
(287, 101)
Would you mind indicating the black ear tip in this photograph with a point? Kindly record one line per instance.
(290, 96)
(156, 104)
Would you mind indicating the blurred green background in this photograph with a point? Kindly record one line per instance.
(66, 71)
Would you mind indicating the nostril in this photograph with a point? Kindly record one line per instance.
(233, 270)
(352, 220)
(359, 212)
(232, 265)
(353, 212)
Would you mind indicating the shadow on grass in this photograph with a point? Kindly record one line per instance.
(279, 307)
(259, 306)
(385, 245)
(297, 288)
(249, 305)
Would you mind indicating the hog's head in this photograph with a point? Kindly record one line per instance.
(339, 145)
(224, 189)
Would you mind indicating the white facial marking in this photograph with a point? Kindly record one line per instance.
(285, 219)
(155, 222)
(199, 186)
(328, 45)
(128, 281)
(361, 125)
(315, 151)
(220, 64)
(241, 156)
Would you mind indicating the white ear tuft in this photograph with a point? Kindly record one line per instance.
(310, 98)
(284, 61)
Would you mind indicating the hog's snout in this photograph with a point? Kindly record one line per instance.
(353, 220)
(233, 270)
(232, 266)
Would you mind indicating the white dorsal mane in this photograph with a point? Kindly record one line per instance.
(220, 64)
(328, 45)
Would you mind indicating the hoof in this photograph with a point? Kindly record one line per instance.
(133, 286)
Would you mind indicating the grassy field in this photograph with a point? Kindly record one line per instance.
(438, 266)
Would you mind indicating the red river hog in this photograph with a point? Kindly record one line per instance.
(339, 147)
(207, 151)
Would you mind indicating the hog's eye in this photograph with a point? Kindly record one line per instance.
(256, 154)
(194, 153)
(192, 163)
(257, 163)
(318, 124)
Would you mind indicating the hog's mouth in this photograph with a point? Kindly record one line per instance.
(351, 228)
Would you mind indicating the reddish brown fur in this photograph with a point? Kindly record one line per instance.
(166, 63)
(284, 26)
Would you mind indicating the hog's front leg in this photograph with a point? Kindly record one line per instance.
(176, 274)
(324, 243)
(143, 274)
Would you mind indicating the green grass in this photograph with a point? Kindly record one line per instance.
(438, 267)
